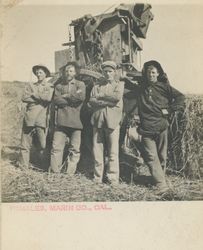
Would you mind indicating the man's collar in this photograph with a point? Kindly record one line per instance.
(70, 82)
(152, 83)
(107, 82)
(112, 82)
(44, 82)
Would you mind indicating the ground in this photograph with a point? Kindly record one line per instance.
(35, 185)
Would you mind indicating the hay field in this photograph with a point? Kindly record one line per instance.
(185, 165)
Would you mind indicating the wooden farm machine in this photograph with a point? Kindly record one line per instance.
(111, 36)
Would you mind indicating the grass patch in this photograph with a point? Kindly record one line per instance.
(37, 186)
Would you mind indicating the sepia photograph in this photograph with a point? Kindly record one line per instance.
(101, 103)
(101, 125)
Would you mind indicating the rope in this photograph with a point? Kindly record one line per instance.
(114, 5)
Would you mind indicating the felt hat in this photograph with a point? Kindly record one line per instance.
(43, 67)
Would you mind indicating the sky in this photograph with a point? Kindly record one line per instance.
(33, 32)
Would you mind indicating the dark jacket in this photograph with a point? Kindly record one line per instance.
(153, 99)
(68, 113)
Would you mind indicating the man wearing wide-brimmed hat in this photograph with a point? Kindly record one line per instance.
(38, 96)
(106, 102)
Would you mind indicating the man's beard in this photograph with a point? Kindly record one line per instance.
(69, 78)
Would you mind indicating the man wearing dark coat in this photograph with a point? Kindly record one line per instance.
(156, 99)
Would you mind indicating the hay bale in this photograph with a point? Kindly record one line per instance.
(186, 139)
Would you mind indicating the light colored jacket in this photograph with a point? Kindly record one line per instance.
(38, 97)
(106, 102)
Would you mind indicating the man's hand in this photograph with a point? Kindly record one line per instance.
(35, 95)
(66, 95)
(101, 104)
(100, 95)
(165, 112)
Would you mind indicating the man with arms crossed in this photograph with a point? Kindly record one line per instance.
(68, 99)
(106, 101)
(38, 96)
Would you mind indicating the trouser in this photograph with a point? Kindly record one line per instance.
(155, 154)
(60, 137)
(27, 140)
(111, 138)
(86, 163)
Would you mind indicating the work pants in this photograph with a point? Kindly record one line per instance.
(28, 134)
(110, 138)
(155, 155)
(61, 135)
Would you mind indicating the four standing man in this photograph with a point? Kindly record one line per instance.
(155, 97)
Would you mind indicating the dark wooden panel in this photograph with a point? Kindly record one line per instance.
(111, 41)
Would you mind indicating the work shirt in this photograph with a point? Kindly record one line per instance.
(153, 100)
(68, 111)
(38, 96)
(106, 102)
